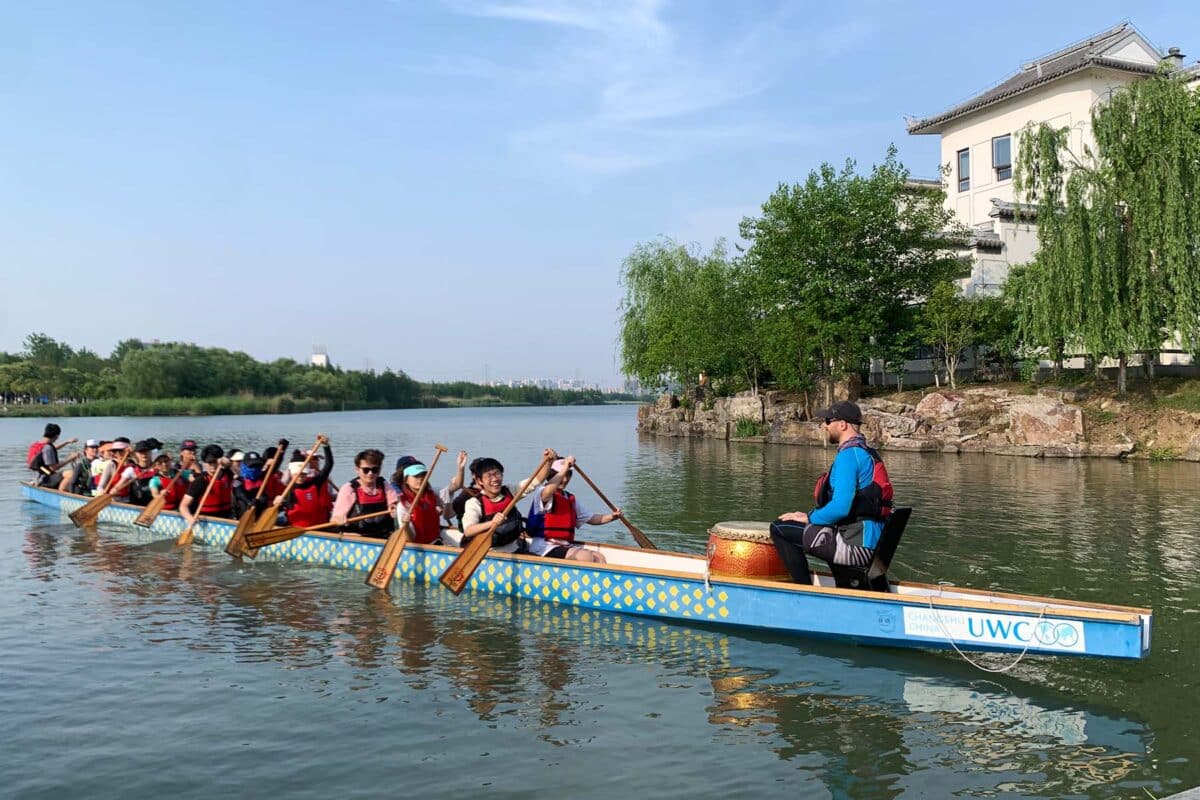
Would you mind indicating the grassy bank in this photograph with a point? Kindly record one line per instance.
(181, 407)
(238, 404)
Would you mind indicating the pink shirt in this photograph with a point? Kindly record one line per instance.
(345, 498)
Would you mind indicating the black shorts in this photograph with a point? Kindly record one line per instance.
(557, 552)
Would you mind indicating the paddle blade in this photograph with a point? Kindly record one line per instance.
(237, 542)
(642, 539)
(385, 566)
(186, 537)
(86, 514)
(459, 572)
(155, 507)
(257, 539)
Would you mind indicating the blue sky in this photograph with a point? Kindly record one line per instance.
(439, 186)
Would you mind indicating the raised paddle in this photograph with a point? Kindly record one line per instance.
(463, 567)
(155, 506)
(385, 566)
(270, 515)
(185, 538)
(641, 538)
(257, 539)
(87, 513)
(237, 542)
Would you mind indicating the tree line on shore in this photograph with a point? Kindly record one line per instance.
(847, 267)
(184, 378)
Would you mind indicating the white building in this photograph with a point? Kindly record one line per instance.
(979, 137)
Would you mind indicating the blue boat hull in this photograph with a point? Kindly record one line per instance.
(912, 616)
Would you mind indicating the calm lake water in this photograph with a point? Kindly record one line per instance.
(135, 670)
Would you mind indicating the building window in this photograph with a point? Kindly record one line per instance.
(1002, 156)
(964, 170)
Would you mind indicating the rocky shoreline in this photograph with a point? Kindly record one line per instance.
(1054, 423)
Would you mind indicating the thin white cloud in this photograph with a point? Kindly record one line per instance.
(649, 91)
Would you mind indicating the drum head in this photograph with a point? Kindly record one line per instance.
(742, 531)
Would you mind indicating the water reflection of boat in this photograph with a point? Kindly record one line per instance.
(675, 586)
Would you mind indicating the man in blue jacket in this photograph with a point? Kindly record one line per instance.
(853, 500)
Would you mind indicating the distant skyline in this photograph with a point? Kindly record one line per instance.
(439, 186)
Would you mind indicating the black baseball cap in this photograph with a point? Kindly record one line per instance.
(252, 459)
(403, 462)
(843, 410)
(188, 444)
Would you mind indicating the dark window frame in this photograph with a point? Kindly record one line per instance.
(1003, 171)
(964, 181)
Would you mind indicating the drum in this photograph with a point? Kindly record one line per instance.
(744, 550)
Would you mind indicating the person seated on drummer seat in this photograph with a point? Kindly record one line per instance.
(425, 523)
(853, 500)
(42, 460)
(368, 493)
(311, 502)
(555, 514)
(488, 497)
(219, 502)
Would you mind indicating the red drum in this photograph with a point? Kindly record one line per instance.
(744, 550)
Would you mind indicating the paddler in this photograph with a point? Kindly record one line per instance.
(853, 499)
(555, 514)
(187, 459)
(104, 482)
(164, 473)
(81, 480)
(366, 493)
(311, 502)
(219, 502)
(427, 517)
(135, 477)
(488, 497)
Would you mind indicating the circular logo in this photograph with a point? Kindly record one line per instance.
(1044, 633)
(1066, 635)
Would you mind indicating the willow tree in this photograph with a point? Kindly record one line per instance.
(1118, 266)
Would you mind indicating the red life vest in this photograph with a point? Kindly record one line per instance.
(426, 519)
(275, 487)
(220, 500)
(558, 521)
(31, 457)
(311, 505)
(873, 501)
(175, 492)
(370, 504)
(493, 507)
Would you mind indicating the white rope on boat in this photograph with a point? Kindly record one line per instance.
(967, 658)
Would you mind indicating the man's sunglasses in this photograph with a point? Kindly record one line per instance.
(369, 470)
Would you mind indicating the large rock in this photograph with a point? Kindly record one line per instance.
(938, 406)
(666, 402)
(745, 406)
(1041, 421)
(794, 431)
(882, 425)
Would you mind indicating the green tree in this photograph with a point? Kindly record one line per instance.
(837, 258)
(1118, 225)
(950, 323)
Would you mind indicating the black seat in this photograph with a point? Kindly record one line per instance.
(874, 577)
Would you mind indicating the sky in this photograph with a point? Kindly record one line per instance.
(446, 187)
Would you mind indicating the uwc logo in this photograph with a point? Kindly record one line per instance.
(1016, 631)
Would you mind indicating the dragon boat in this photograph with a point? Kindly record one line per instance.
(682, 588)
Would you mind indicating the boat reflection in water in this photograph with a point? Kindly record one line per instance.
(856, 721)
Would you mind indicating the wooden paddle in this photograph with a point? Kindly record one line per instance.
(385, 566)
(463, 567)
(155, 506)
(257, 539)
(237, 542)
(270, 516)
(87, 513)
(185, 538)
(641, 538)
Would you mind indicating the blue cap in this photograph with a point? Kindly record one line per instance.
(414, 469)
